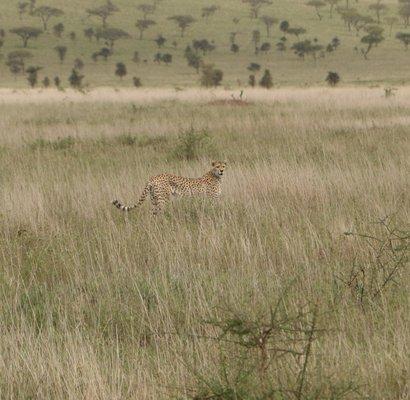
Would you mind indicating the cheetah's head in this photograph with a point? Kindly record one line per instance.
(218, 168)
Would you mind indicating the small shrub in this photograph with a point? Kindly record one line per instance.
(253, 67)
(266, 80)
(333, 78)
(75, 79)
(190, 144)
(211, 76)
(234, 48)
(252, 80)
(136, 81)
(78, 64)
(32, 75)
(136, 57)
(120, 70)
(388, 246)
(46, 82)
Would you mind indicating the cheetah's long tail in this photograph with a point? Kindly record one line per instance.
(140, 201)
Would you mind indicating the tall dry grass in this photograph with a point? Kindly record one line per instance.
(98, 305)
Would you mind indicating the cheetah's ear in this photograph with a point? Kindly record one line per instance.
(213, 163)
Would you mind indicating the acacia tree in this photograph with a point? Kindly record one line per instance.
(362, 22)
(269, 22)
(26, 33)
(46, 12)
(16, 60)
(284, 26)
(120, 70)
(332, 78)
(349, 16)
(46, 82)
(404, 37)
(202, 45)
(183, 22)
(136, 57)
(105, 52)
(22, 7)
(209, 11)
(111, 35)
(390, 21)
(211, 76)
(193, 59)
(306, 47)
(103, 12)
(255, 6)
(58, 29)
(332, 4)
(75, 79)
(297, 31)
(167, 58)
(146, 9)
(378, 8)
(256, 38)
(89, 33)
(160, 41)
(78, 64)
(404, 11)
(373, 38)
(281, 45)
(266, 80)
(265, 47)
(143, 24)
(61, 52)
(32, 75)
(317, 5)
(31, 6)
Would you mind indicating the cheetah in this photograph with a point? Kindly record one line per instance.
(161, 187)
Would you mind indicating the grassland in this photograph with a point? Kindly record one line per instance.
(387, 63)
(98, 305)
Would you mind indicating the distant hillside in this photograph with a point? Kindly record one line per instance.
(227, 33)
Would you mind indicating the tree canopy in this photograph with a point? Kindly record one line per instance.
(46, 12)
(103, 12)
(183, 22)
(26, 33)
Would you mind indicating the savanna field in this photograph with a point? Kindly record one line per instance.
(261, 294)
(293, 285)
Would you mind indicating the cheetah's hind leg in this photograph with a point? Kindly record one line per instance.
(159, 198)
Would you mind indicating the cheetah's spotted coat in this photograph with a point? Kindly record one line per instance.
(161, 187)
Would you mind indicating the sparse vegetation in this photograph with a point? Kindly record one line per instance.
(255, 296)
(75, 79)
(61, 52)
(94, 28)
(120, 70)
(45, 13)
(32, 75)
(266, 80)
(332, 78)
(211, 77)
(136, 82)
(26, 33)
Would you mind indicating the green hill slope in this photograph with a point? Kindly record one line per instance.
(387, 63)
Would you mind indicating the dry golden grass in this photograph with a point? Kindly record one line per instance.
(98, 305)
